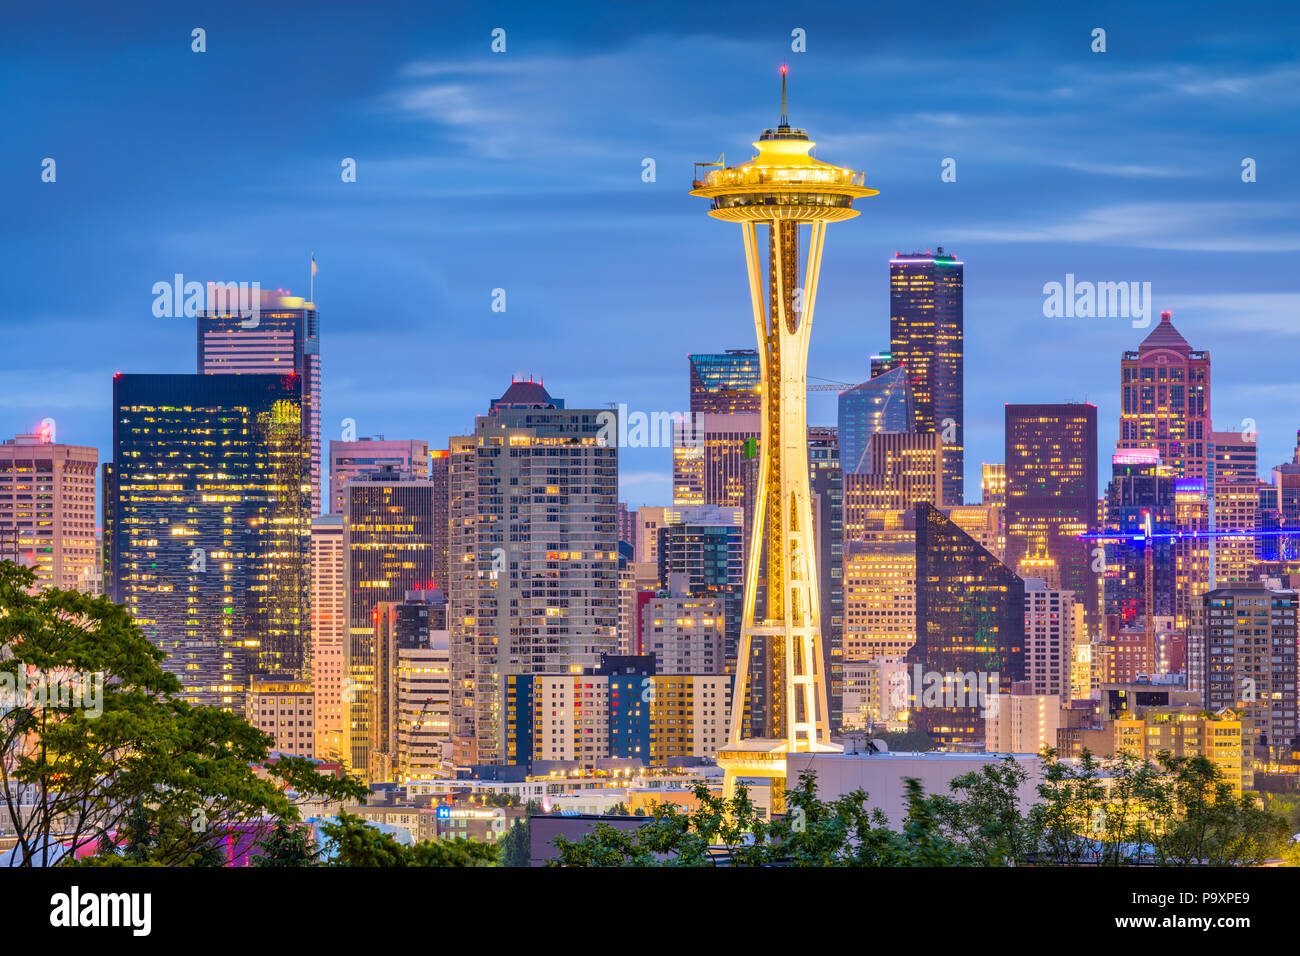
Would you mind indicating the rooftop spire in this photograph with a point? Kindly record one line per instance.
(785, 117)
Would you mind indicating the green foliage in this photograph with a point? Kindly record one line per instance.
(356, 843)
(1178, 811)
(139, 768)
(286, 845)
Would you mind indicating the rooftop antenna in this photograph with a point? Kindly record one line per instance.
(785, 115)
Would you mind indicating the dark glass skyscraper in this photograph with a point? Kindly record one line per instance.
(211, 526)
(880, 405)
(1140, 484)
(926, 338)
(1051, 489)
(284, 338)
(726, 383)
(970, 626)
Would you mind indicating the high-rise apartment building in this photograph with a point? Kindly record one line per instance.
(926, 338)
(684, 632)
(283, 339)
(1024, 721)
(705, 543)
(534, 544)
(371, 456)
(329, 631)
(1231, 475)
(1049, 638)
(1165, 395)
(440, 475)
(1250, 660)
(47, 508)
(1051, 493)
(285, 709)
(210, 526)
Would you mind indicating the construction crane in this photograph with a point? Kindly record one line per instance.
(1147, 534)
(826, 385)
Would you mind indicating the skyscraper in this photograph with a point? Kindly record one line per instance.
(970, 631)
(1165, 392)
(1141, 490)
(880, 587)
(439, 474)
(705, 543)
(404, 644)
(369, 456)
(47, 508)
(211, 526)
(725, 383)
(1051, 495)
(329, 629)
(712, 459)
(389, 539)
(880, 405)
(284, 340)
(903, 469)
(1285, 501)
(826, 485)
(926, 339)
(1232, 476)
(1250, 660)
(534, 556)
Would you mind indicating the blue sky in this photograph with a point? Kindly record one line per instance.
(522, 170)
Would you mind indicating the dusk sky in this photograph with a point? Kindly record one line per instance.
(522, 170)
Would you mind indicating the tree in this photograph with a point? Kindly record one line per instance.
(125, 760)
(286, 845)
(516, 847)
(983, 814)
(355, 843)
(843, 832)
(1211, 825)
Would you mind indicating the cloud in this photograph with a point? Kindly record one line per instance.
(1186, 226)
(1274, 313)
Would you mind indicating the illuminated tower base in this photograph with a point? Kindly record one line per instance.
(781, 188)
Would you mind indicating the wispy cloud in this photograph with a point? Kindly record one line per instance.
(1187, 226)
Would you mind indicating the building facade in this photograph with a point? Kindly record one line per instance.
(47, 508)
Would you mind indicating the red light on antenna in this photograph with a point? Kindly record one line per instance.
(784, 68)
